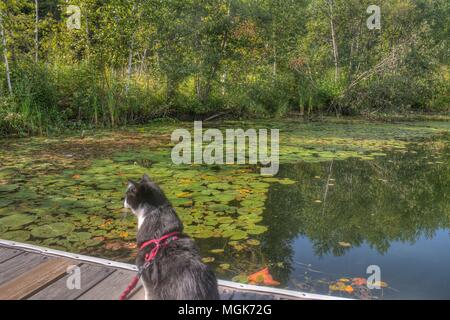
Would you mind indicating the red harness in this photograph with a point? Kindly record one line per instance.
(148, 259)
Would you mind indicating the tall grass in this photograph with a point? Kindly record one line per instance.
(48, 98)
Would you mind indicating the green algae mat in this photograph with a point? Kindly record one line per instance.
(67, 193)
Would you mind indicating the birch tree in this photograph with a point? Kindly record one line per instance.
(5, 53)
(333, 40)
(36, 31)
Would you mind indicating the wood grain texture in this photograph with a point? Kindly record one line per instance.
(18, 265)
(111, 287)
(6, 254)
(91, 275)
(34, 279)
(40, 276)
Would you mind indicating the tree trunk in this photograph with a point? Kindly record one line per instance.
(142, 66)
(274, 66)
(5, 54)
(36, 32)
(88, 39)
(130, 64)
(131, 52)
(333, 38)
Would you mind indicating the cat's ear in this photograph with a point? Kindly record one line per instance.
(146, 178)
(132, 185)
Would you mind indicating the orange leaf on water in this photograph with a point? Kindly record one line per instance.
(348, 289)
(123, 234)
(262, 277)
(359, 281)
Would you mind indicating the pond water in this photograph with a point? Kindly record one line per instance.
(348, 195)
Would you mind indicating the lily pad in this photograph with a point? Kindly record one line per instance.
(254, 229)
(79, 236)
(18, 235)
(253, 242)
(344, 244)
(219, 186)
(224, 266)
(208, 259)
(52, 230)
(92, 242)
(216, 251)
(235, 234)
(16, 220)
(241, 278)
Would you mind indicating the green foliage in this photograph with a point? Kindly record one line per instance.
(132, 61)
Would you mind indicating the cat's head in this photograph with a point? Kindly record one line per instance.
(144, 193)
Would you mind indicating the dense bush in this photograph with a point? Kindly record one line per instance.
(191, 60)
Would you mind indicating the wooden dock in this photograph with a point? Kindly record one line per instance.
(36, 273)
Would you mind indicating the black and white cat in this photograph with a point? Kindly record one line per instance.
(176, 272)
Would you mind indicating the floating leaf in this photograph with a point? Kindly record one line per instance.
(79, 236)
(208, 259)
(380, 284)
(253, 242)
(359, 281)
(224, 266)
(338, 286)
(19, 235)
(92, 242)
(114, 245)
(52, 230)
(241, 278)
(262, 277)
(17, 220)
(286, 181)
(255, 230)
(348, 289)
(238, 235)
(123, 234)
(344, 244)
(219, 186)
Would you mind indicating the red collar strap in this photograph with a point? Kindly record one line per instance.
(158, 242)
(148, 259)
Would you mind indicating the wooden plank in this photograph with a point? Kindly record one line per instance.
(90, 275)
(138, 293)
(18, 265)
(111, 287)
(6, 254)
(34, 279)
(226, 293)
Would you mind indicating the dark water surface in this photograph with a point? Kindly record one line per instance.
(392, 212)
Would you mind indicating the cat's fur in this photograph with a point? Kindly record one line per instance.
(177, 272)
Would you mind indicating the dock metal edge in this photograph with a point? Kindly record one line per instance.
(130, 267)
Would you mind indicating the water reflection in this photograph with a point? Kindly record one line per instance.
(393, 212)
